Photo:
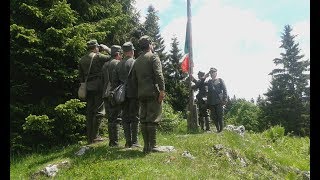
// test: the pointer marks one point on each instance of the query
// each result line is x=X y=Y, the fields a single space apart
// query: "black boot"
x=127 y=134
x=134 y=129
x=201 y=122
x=207 y=123
x=152 y=130
x=113 y=130
x=145 y=136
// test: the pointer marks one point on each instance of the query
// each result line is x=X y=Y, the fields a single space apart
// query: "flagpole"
x=193 y=116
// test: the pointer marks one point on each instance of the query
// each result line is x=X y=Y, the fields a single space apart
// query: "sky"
x=239 y=38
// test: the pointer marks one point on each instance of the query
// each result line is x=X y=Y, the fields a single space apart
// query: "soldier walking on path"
x=130 y=107
x=90 y=67
x=217 y=98
x=201 y=85
x=113 y=110
x=147 y=74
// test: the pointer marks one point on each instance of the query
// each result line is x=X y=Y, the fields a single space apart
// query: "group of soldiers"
x=212 y=97
x=144 y=94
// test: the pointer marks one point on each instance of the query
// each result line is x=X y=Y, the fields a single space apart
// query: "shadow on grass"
x=104 y=152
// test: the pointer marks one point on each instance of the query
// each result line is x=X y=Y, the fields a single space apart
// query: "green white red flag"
x=185 y=64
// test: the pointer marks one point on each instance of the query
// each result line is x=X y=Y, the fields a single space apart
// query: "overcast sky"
x=239 y=38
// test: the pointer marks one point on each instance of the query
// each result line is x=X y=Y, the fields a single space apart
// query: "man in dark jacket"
x=130 y=107
x=201 y=85
x=148 y=76
x=113 y=110
x=217 y=98
x=90 y=67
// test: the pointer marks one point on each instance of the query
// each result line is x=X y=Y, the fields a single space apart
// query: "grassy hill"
x=226 y=155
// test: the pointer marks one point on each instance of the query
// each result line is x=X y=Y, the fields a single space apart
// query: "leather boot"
x=113 y=130
x=152 y=131
x=134 y=129
x=145 y=136
x=127 y=134
x=207 y=123
x=201 y=122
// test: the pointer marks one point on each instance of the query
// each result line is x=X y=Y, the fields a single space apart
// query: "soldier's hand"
x=105 y=48
x=161 y=96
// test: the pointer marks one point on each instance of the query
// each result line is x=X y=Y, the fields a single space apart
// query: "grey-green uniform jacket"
x=216 y=87
x=120 y=75
x=95 y=70
x=147 y=72
x=107 y=72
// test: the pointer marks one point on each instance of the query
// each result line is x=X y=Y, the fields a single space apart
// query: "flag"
x=185 y=65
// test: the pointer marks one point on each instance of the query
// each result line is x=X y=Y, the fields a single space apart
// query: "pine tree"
x=177 y=89
x=287 y=98
x=152 y=29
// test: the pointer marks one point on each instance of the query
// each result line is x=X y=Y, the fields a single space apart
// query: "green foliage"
x=37 y=131
x=274 y=133
x=287 y=100
x=41 y=124
x=244 y=113
x=47 y=38
x=176 y=87
x=61 y=15
x=69 y=123
x=170 y=119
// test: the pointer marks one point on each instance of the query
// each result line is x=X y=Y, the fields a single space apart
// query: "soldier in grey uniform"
x=113 y=110
x=130 y=107
x=217 y=98
x=147 y=74
x=201 y=85
x=95 y=108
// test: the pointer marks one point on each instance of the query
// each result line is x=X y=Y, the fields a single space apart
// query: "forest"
x=47 y=39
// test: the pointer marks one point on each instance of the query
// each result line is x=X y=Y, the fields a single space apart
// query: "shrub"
x=274 y=133
x=170 y=119
x=69 y=123
x=38 y=130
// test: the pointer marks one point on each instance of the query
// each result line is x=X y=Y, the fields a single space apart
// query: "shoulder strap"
x=90 y=67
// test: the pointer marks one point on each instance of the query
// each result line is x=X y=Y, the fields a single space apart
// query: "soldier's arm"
x=159 y=79
x=157 y=69
x=105 y=77
x=224 y=90
x=115 y=77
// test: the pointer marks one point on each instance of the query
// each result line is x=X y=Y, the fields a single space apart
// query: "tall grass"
x=287 y=158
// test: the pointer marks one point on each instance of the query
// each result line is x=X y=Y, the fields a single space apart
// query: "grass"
x=285 y=158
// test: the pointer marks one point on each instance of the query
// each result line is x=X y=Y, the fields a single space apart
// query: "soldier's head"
x=128 y=49
x=145 y=43
x=213 y=72
x=116 y=52
x=200 y=74
x=92 y=45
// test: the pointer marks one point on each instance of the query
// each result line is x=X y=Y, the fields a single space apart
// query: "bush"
x=69 y=123
x=38 y=130
x=274 y=133
x=170 y=119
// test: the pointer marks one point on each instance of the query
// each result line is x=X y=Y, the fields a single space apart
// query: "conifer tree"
x=152 y=29
x=177 y=89
x=287 y=98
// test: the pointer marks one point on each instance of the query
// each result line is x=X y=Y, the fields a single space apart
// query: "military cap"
x=127 y=46
x=115 y=49
x=92 y=42
x=200 y=73
x=213 y=70
x=144 y=41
